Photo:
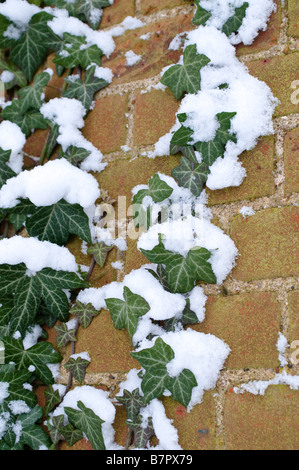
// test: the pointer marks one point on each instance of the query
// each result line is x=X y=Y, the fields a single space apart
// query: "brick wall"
x=261 y=296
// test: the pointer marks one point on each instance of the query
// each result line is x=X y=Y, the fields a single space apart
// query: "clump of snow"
x=36 y=254
x=117 y=265
x=19 y=12
x=68 y=114
x=259 y=387
x=257 y=16
x=247 y=211
x=103 y=73
x=129 y=23
x=45 y=185
x=4 y=386
x=32 y=336
x=98 y=401
x=197 y=302
x=82 y=355
x=132 y=58
x=282 y=345
x=202 y=354
x=12 y=138
x=18 y=407
x=7 y=76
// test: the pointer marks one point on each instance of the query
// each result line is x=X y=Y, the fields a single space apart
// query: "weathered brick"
x=265 y=39
x=152 y=6
x=268 y=244
x=279 y=73
x=259 y=182
x=291 y=152
x=293 y=302
x=154 y=51
x=109 y=349
x=293 y=9
x=117 y=12
x=105 y=125
x=249 y=324
x=269 y=422
x=155 y=114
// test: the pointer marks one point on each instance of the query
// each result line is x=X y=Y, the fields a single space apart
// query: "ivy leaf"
x=74 y=155
x=38 y=356
x=181 y=386
x=201 y=15
x=84 y=90
x=91 y=11
x=19 y=214
x=191 y=176
x=181 y=137
x=19 y=77
x=84 y=313
x=76 y=52
x=142 y=433
x=31 y=96
x=32 y=119
x=100 y=252
x=182 y=272
x=186 y=150
x=16 y=379
x=35 y=437
x=52 y=399
x=89 y=423
x=28 y=292
x=186 y=78
x=55 y=223
x=235 y=22
x=154 y=360
x=158 y=189
x=64 y=335
x=5 y=171
x=125 y=314
x=70 y=434
x=54 y=428
x=132 y=403
x=5 y=41
x=77 y=366
x=31 y=48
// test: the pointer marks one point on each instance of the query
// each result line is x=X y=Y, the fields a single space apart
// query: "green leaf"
x=26 y=302
x=19 y=214
x=186 y=78
x=52 y=399
x=38 y=356
x=142 y=433
x=55 y=427
x=64 y=335
x=182 y=272
x=6 y=310
x=32 y=119
x=31 y=48
x=77 y=366
x=191 y=176
x=35 y=437
x=74 y=155
x=89 y=423
x=19 y=78
x=5 y=171
x=181 y=137
x=201 y=15
x=181 y=386
x=100 y=252
x=84 y=313
x=88 y=11
x=126 y=314
x=70 y=434
x=5 y=41
x=158 y=189
x=235 y=22
x=84 y=91
x=55 y=223
x=31 y=96
x=132 y=403
x=76 y=52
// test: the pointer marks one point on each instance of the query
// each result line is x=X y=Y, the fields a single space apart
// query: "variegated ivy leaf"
x=132 y=403
x=181 y=386
x=126 y=314
x=5 y=171
x=28 y=292
x=158 y=190
x=31 y=96
x=64 y=335
x=186 y=77
x=19 y=77
x=5 y=41
x=84 y=90
x=89 y=11
x=37 y=356
x=182 y=272
x=100 y=252
x=142 y=432
x=74 y=155
x=16 y=379
x=89 y=423
x=84 y=313
x=188 y=318
x=71 y=434
x=52 y=399
x=201 y=15
x=54 y=426
x=18 y=214
x=77 y=366
x=191 y=176
x=235 y=22
x=27 y=121
x=55 y=223
x=31 y=48
x=76 y=51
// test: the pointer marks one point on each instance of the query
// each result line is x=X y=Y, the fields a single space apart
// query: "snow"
x=6 y=76
x=4 y=386
x=203 y=354
x=19 y=12
x=246 y=211
x=163 y=305
x=68 y=114
x=259 y=387
x=32 y=336
x=18 y=407
x=46 y=185
x=180 y=236
x=12 y=138
x=83 y=355
x=98 y=401
x=117 y=265
x=197 y=302
x=282 y=345
x=36 y=254
x=103 y=73
x=132 y=58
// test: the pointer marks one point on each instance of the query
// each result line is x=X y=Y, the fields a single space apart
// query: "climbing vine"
x=40 y=281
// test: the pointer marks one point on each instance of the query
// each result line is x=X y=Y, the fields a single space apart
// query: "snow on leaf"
x=201 y=15
x=31 y=96
x=89 y=423
x=27 y=121
x=191 y=176
x=76 y=51
x=235 y=22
